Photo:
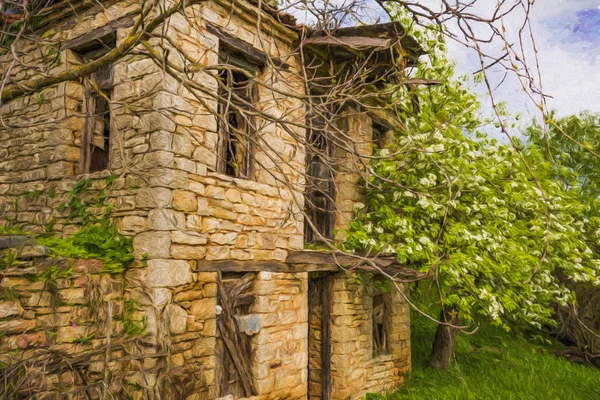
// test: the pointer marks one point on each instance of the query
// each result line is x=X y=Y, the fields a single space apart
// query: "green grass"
x=493 y=364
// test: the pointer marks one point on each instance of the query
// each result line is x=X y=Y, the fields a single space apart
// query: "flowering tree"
x=490 y=230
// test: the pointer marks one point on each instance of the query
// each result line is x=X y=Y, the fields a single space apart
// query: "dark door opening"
x=319 y=333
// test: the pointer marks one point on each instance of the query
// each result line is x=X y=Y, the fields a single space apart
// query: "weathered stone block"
x=217 y=252
x=180 y=251
x=171 y=178
x=10 y=309
x=193 y=223
x=154 y=244
x=165 y=273
x=224 y=238
x=17 y=325
x=134 y=223
x=73 y=296
x=184 y=201
x=203 y=309
x=191 y=238
x=60 y=170
x=197 y=187
x=70 y=334
x=215 y=192
x=177 y=318
x=210 y=225
x=156 y=197
x=164 y=219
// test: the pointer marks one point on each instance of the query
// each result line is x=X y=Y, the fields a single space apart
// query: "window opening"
x=236 y=122
x=97 y=92
x=379 y=132
x=320 y=191
x=380 y=339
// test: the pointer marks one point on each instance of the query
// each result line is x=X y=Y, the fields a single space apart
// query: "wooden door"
x=319 y=333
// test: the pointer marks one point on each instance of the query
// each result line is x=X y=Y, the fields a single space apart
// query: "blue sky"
x=568 y=36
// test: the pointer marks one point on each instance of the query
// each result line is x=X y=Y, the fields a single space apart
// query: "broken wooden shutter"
x=97 y=93
x=379 y=320
x=232 y=375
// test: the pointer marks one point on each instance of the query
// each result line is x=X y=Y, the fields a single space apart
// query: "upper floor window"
x=236 y=114
x=381 y=134
x=320 y=191
x=97 y=95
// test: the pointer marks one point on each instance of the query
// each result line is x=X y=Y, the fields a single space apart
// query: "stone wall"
x=355 y=370
x=58 y=317
x=279 y=350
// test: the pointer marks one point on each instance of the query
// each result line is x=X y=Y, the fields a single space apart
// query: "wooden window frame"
x=321 y=215
x=236 y=121
x=98 y=85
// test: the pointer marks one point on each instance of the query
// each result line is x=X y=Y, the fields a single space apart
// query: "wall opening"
x=236 y=117
x=234 y=326
x=319 y=333
x=97 y=97
x=379 y=323
x=320 y=191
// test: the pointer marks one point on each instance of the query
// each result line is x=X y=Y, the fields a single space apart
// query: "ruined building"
x=190 y=121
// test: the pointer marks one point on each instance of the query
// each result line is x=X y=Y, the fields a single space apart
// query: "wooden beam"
x=99 y=33
x=329 y=258
x=353 y=42
x=253 y=54
x=257 y=266
x=314 y=261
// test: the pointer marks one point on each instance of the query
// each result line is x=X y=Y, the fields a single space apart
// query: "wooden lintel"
x=99 y=33
x=253 y=54
x=257 y=266
x=314 y=261
x=330 y=258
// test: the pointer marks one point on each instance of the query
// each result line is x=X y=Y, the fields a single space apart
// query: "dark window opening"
x=379 y=132
x=236 y=121
x=96 y=135
x=380 y=337
x=100 y=147
x=320 y=191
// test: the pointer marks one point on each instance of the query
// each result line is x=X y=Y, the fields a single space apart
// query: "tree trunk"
x=443 y=345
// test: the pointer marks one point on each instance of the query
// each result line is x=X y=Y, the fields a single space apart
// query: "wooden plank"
x=353 y=42
x=257 y=266
x=96 y=34
x=330 y=258
x=244 y=300
x=253 y=54
x=326 y=335
x=314 y=261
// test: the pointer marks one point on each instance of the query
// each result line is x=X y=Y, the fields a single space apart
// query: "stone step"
x=14 y=241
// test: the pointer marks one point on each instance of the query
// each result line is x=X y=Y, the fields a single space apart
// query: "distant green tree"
x=570 y=148
x=572 y=144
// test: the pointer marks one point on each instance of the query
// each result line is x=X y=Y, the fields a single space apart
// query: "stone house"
x=218 y=220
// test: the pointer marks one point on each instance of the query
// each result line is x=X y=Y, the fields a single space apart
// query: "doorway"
x=319 y=334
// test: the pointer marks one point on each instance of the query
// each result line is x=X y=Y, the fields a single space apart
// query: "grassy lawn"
x=495 y=365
